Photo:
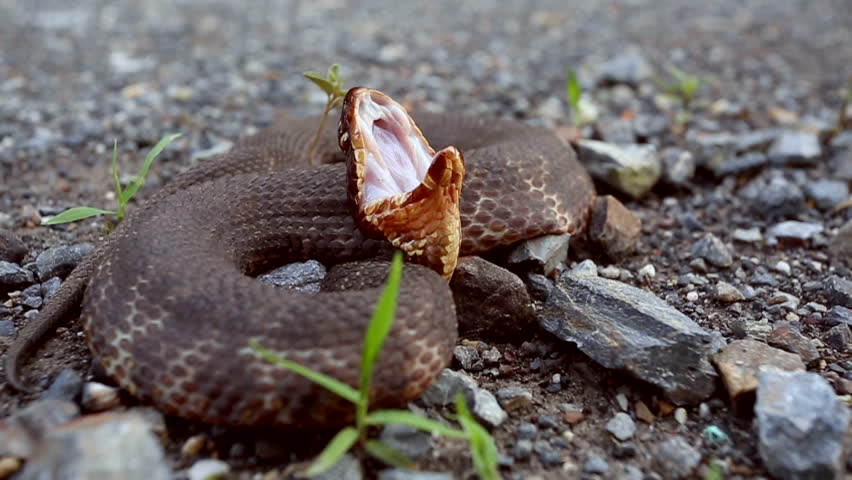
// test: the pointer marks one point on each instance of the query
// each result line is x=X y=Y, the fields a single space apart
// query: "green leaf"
x=573 y=90
x=115 y=169
x=377 y=330
x=321 y=82
x=386 y=454
x=137 y=182
x=404 y=417
x=336 y=448
x=482 y=447
x=714 y=471
x=331 y=384
x=334 y=74
x=77 y=213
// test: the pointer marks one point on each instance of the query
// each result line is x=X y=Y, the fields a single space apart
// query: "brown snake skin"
x=168 y=302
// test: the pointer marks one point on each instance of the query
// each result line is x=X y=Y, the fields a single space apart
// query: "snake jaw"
x=399 y=188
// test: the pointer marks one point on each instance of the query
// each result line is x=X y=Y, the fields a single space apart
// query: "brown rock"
x=665 y=407
x=573 y=417
x=614 y=227
x=644 y=413
x=491 y=301
x=790 y=339
x=739 y=363
x=12 y=249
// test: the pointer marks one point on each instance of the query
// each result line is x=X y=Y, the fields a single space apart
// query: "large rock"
x=623 y=327
x=491 y=301
x=740 y=362
x=801 y=426
x=632 y=169
x=104 y=446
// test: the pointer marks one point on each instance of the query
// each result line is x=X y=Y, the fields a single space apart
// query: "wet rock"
x=629 y=68
x=710 y=248
x=839 y=337
x=624 y=327
x=839 y=315
x=513 y=398
x=790 y=339
x=468 y=358
x=747 y=162
x=59 y=261
x=400 y=474
x=595 y=464
x=741 y=360
x=827 y=193
x=747 y=235
x=614 y=227
x=100 y=446
x=347 y=468
x=447 y=385
x=98 y=397
x=632 y=169
x=13 y=277
x=409 y=441
x=838 y=291
x=486 y=409
x=801 y=426
x=728 y=293
x=621 y=426
x=841 y=244
x=208 y=469
x=12 y=249
x=675 y=458
x=793 y=233
x=304 y=276
x=547 y=252
x=678 y=166
x=491 y=301
x=795 y=148
x=66 y=386
x=776 y=197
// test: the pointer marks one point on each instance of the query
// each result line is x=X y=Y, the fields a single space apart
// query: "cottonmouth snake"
x=169 y=305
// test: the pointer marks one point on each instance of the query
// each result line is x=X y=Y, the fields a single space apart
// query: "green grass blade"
x=404 y=417
x=386 y=454
x=137 y=182
x=77 y=213
x=118 y=193
x=336 y=448
x=377 y=330
x=331 y=384
x=482 y=447
x=573 y=90
x=321 y=82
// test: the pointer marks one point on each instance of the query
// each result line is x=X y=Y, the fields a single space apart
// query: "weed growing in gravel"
x=682 y=86
x=332 y=85
x=122 y=195
x=582 y=111
x=482 y=447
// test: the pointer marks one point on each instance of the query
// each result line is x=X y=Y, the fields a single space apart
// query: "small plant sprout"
x=583 y=112
x=482 y=446
x=682 y=86
x=332 y=85
x=122 y=195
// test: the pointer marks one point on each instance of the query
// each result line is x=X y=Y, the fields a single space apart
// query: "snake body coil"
x=169 y=305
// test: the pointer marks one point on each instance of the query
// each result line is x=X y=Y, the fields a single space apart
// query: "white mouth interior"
x=397 y=159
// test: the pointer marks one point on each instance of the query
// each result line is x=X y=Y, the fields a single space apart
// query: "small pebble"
x=621 y=426
x=680 y=415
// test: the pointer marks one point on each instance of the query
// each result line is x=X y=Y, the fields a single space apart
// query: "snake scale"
x=168 y=302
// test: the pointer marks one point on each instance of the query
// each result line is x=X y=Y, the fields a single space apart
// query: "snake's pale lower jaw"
x=399 y=188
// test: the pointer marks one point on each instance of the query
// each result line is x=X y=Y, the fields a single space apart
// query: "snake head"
x=400 y=189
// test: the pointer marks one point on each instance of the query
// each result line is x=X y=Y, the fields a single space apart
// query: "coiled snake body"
x=169 y=305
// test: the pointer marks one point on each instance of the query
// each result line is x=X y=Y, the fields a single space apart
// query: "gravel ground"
x=758 y=145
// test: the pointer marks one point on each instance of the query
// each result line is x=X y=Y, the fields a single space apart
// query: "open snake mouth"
x=399 y=188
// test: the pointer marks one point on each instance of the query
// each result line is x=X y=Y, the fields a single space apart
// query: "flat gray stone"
x=631 y=169
x=827 y=193
x=13 y=277
x=302 y=276
x=838 y=291
x=801 y=426
x=795 y=148
x=546 y=252
x=621 y=426
x=710 y=248
x=59 y=261
x=445 y=388
x=676 y=458
x=409 y=441
x=623 y=327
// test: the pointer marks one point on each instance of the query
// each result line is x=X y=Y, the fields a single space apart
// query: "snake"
x=169 y=302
